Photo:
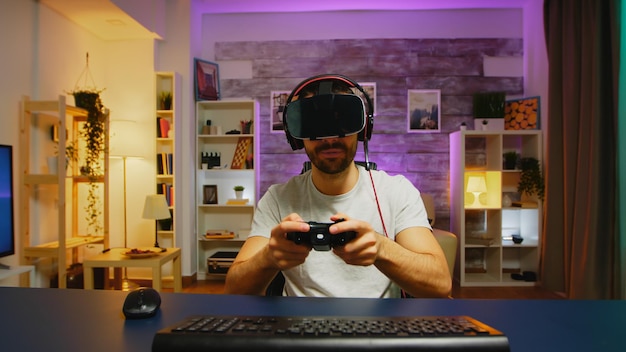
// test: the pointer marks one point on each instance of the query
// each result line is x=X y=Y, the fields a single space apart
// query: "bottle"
x=206 y=129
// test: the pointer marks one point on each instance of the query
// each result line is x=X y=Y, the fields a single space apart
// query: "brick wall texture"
x=453 y=66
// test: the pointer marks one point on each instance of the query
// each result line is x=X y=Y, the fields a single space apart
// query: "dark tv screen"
x=7 y=239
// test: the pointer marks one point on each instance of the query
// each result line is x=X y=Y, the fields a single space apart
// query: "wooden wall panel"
x=455 y=66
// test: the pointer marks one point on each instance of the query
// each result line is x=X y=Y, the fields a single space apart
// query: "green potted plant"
x=238 y=191
x=165 y=100
x=531 y=179
x=93 y=134
x=510 y=160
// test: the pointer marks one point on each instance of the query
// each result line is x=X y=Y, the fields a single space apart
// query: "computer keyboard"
x=290 y=333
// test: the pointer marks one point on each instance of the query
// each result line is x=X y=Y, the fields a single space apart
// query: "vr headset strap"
x=326 y=87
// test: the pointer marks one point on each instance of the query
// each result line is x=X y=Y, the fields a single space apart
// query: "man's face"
x=332 y=155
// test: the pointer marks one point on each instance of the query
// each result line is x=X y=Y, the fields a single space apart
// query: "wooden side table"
x=116 y=259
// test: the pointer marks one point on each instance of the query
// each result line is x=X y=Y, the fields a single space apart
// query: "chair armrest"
x=448 y=242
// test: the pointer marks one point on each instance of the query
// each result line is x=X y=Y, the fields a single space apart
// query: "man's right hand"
x=285 y=253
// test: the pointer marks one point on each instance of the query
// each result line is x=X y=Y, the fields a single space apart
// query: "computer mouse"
x=141 y=303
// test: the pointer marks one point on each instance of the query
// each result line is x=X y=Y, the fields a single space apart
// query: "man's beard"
x=333 y=166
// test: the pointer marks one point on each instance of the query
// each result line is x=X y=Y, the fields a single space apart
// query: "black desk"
x=39 y=319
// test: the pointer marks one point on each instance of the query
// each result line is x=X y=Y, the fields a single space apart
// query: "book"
x=234 y=201
x=164 y=163
x=159 y=164
x=525 y=204
x=218 y=234
x=164 y=127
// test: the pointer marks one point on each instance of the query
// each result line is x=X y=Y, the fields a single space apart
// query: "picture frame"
x=278 y=100
x=522 y=114
x=370 y=89
x=206 y=79
x=209 y=194
x=54 y=133
x=475 y=222
x=423 y=110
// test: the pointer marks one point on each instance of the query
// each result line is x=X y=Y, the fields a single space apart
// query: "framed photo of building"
x=423 y=110
x=207 y=80
x=209 y=194
x=278 y=100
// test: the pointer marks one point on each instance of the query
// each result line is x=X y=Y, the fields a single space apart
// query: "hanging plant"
x=93 y=131
x=531 y=179
x=93 y=134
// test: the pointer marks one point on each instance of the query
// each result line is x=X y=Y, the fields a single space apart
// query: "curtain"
x=581 y=239
x=621 y=152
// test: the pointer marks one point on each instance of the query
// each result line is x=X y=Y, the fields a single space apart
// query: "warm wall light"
x=123 y=145
x=156 y=209
x=476 y=185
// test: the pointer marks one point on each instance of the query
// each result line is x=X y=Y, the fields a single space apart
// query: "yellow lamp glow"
x=476 y=185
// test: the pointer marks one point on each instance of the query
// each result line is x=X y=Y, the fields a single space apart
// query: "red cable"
x=380 y=213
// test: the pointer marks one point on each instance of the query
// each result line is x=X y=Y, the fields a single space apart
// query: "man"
x=393 y=240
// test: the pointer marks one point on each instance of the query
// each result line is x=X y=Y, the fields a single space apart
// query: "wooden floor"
x=217 y=287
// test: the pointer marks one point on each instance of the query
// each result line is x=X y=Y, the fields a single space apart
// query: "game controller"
x=320 y=238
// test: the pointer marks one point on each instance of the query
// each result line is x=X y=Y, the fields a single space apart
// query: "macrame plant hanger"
x=86 y=77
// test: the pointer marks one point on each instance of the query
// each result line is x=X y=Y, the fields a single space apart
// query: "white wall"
x=16 y=17
x=487 y=23
x=43 y=57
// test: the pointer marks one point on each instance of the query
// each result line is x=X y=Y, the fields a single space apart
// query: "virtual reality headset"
x=325 y=116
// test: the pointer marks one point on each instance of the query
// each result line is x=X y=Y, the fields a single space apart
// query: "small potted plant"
x=165 y=101
x=238 y=191
x=510 y=160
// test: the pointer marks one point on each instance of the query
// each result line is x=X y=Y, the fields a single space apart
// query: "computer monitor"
x=7 y=232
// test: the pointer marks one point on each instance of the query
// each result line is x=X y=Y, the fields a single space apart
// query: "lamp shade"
x=156 y=207
x=125 y=140
x=476 y=184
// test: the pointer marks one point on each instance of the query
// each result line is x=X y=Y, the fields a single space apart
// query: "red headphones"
x=365 y=134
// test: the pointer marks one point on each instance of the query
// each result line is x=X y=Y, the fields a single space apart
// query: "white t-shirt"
x=323 y=274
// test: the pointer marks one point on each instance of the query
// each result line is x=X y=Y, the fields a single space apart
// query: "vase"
x=506 y=201
x=239 y=194
x=52 y=165
x=246 y=127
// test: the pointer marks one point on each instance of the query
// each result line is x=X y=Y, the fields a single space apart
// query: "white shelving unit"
x=167 y=153
x=487 y=255
x=217 y=210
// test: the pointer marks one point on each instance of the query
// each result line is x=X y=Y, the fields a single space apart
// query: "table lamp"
x=156 y=208
x=476 y=185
